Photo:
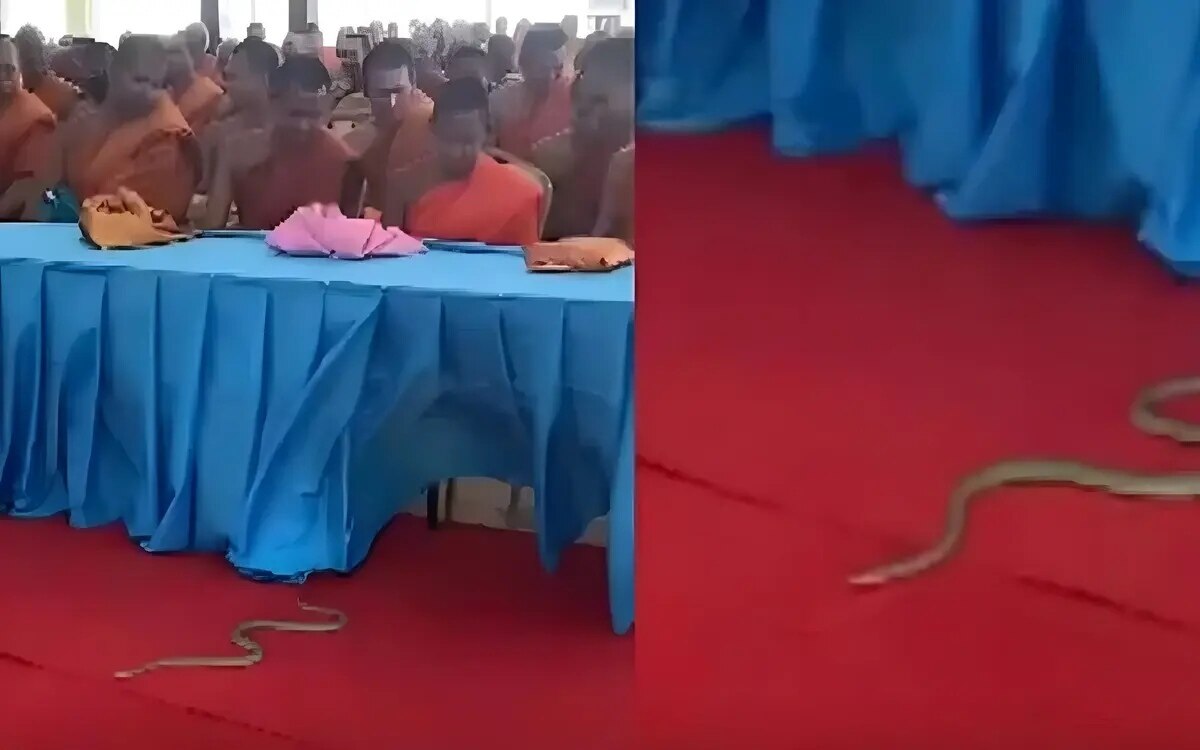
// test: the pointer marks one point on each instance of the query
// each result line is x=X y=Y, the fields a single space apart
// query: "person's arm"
x=353 y=187
x=169 y=172
x=52 y=171
x=522 y=229
x=496 y=104
x=237 y=154
x=208 y=154
x=545 y=185
x=616 y=202
x=31 y=155
x=405 y=187
x=220 y=192
x=397 y=198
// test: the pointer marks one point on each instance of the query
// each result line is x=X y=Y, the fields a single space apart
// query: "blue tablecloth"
x=213 y=395
x=1004 y=107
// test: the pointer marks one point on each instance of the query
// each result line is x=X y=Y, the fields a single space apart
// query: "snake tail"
x=1028 y=472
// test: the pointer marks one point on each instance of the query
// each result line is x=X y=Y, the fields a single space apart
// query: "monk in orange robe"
x=540 y=105
x=26 y=137
x=294 y=162
x=198 y=97
x=400 y=132
x=247 y=78
x=136 y=139
x=590 y=164
x=461 y=193
x=56 y=93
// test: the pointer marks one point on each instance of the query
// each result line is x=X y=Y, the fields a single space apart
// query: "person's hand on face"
x=388 y=91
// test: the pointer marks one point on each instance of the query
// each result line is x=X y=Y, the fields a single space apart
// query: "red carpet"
x=821 y=356
x=456 y=639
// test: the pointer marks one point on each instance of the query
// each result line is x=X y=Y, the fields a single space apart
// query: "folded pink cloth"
x=318 y=230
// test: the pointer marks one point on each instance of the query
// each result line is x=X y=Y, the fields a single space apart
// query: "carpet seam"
x=1078 y=594
x=8 y=656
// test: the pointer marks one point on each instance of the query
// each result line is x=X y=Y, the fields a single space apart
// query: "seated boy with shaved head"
x=136 y=138
x=462 y=193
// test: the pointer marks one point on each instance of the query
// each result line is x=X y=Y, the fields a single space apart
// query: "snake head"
x=868 y=579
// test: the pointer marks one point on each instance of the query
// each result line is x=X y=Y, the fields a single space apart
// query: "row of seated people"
x=548 y=157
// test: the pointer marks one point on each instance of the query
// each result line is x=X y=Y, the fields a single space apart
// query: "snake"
x=241 y=639
x=1128 y=485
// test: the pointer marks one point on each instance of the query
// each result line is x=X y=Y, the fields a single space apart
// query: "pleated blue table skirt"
x=215 y=396
x=1003 y=107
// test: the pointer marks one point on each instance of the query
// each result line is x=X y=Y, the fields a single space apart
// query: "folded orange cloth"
x=578 y=254
x=125 y=220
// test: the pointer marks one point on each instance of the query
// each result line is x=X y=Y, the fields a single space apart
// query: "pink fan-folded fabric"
x=322 y=231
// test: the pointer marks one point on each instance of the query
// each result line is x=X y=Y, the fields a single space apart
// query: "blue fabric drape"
x=1003 y=107
x=215 y=396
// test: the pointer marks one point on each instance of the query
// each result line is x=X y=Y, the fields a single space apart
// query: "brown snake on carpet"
x=1178 y=487
x=254 y=652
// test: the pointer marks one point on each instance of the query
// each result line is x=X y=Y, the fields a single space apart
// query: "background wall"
x=106 y=20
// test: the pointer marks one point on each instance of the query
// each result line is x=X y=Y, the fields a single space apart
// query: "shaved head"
x=137 y=75
x=140 y=49
x=196 y=38
x=32 y=49
x=181 y=66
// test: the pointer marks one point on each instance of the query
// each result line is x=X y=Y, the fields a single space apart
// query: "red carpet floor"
x=821 y=355
x=456 y=640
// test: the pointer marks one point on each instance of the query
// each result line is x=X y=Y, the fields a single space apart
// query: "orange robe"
x=156 y=156
x=200 y=102
x=26 y=138
x=395 y=150
x=60 y=96
x=497 y=204
x=519 y=126
x=269 y=192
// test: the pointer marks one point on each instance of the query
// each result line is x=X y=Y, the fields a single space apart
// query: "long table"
x=213 y=395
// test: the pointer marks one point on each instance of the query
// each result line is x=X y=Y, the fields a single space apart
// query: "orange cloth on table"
x=155 y=156
x=518 y=126
x=200 y=102
x=60 y=96
x=269 y=192
x=578 y=254
x=26 y=137
x=497 y=204
x=395 y=150
x=125 y=220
